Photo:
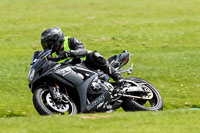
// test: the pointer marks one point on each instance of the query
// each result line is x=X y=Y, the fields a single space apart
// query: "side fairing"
x=68 y=74
x=80 y=84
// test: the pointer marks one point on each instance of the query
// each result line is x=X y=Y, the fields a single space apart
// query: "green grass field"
x=162 y=35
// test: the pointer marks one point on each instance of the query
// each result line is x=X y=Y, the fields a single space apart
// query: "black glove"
x=61 y=56
x=50 y=57
x=64 y=55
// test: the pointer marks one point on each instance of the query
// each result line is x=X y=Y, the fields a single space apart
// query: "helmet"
x=52 y=38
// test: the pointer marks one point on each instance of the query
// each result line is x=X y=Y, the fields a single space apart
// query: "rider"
x=63 y=48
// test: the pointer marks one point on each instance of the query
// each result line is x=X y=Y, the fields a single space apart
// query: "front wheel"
x=134 y=104
x=45 y=105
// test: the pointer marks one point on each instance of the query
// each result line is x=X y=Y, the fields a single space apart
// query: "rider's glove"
x=64 y=55
x=50 y=57
x=61 y=56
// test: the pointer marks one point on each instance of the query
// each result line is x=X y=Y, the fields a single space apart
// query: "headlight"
x=31 y=75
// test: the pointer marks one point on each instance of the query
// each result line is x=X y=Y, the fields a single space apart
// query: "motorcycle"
x=67 y=88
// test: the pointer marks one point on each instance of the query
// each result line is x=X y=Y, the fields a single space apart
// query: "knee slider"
x=96 y=60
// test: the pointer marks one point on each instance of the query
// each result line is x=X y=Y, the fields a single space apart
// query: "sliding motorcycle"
x=67 y=88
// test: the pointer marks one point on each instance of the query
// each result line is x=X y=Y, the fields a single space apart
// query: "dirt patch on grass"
x=95 y=116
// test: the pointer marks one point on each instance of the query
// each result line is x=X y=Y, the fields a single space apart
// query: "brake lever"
x=128 y=71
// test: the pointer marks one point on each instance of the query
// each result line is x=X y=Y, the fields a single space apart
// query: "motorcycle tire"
x=45 y=107
x=154 y=104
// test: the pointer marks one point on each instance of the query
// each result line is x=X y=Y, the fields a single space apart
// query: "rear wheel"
x=45 y=105
x=134 y=104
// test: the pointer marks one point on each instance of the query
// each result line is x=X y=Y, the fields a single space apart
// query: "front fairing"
x=37 y=64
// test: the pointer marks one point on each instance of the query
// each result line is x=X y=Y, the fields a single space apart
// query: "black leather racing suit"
x=93 y=59
x=77 y=50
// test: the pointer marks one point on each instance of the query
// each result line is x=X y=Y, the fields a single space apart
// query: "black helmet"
x=52 y=38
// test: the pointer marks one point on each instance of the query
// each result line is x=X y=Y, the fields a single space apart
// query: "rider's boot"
x=116 y=76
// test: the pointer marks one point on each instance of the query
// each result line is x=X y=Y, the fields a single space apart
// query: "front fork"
x=55 y=94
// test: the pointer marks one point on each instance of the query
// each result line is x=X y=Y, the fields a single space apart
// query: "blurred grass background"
x=162 y=35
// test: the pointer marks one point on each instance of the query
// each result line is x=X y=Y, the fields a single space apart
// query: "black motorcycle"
x=67 y=88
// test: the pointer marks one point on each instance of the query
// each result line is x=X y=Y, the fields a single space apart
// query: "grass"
x=163 y=37
x=151 y=122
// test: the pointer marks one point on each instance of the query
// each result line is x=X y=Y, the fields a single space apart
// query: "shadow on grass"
x=13 y=115
x=195 y=106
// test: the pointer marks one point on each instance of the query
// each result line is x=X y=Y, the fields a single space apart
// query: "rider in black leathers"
x=65 y=47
